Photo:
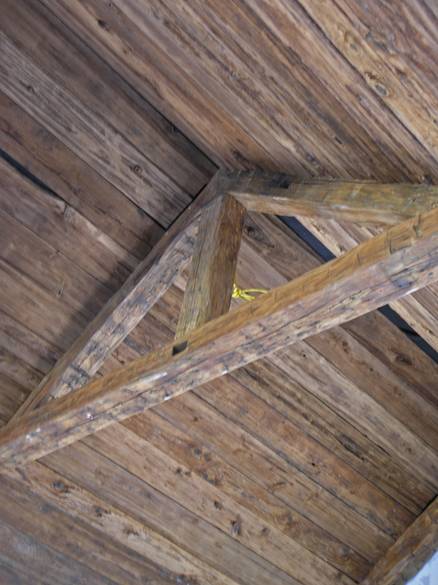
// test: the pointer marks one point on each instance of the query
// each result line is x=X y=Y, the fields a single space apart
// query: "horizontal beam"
x=409 y=553
x=364 y=202
x=393 y=264
x=149 y=281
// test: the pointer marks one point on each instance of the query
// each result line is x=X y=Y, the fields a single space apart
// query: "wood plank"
x=393 y=264
x=234 y=487
x=172 y=478
x=129 y=532
x=55 y=48
x=213 y=418
x=406 y=556
x=360 y=202
x=129 y=493
x=23 y=553
x=380 y=58
x=90 y=137
x=41 y=520
x=213 y=266
x=313 y=51
x=126 y=308
x=79 y=185
x=48 y=267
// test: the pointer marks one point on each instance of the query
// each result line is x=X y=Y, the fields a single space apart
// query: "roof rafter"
x=389 y=266
x=151 y=279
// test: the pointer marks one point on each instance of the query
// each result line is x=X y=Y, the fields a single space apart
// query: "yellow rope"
x=247 y=294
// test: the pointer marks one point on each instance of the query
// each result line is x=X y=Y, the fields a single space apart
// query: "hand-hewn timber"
x=361 y=202
x=126 y=308
x=214 y=261
x=406 y=556
x=390 y=265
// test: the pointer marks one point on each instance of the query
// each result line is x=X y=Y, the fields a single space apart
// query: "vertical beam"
x=149 y=281
x=387 y=267
x=214 y=261
x=409 y=553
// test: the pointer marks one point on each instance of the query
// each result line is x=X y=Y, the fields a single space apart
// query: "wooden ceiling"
x=299 y=469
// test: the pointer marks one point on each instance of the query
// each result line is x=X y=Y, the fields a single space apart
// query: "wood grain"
x=118 y=161
x=390 y=265
x=416 y=309
x=355 y=201
x=406 y=557
x=125 y=309
x=213 y=266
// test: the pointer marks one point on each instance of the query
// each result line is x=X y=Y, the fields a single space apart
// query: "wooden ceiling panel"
x=302 y=468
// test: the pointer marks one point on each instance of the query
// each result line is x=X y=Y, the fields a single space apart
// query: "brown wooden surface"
x=213 y=265
x=407 y=556
x=364 y=536
x=152 y=277
x=286 y=445
x=418 y=310
x=402 y=259
x=260 y=92
x=358 y=202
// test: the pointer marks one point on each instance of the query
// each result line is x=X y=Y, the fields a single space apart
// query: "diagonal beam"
x=409 y=553
x=415 y=309
x=210 y=284
x=393 y=264
x=127 y=307
x=363 y=202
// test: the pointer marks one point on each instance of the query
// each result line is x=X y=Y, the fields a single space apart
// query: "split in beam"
x=389 y=266
x=409 y=553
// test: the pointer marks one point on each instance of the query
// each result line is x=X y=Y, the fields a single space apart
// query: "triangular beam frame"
x=212 y=342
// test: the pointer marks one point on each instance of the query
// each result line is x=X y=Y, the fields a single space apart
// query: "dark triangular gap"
x=326 y=255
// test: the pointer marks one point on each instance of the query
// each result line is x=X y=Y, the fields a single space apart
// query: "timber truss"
x=210 y=340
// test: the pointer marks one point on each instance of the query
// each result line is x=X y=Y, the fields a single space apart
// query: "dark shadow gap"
x=26 y=173
x=326 y=255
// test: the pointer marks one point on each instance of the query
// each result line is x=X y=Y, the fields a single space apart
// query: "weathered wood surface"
x=225 y=58
x=258 y=91
x=402 y=259
x=406 y=557
x=355 y=201
x=42 y=39
x=332 y=510
x=42 y=520
x=213 y=265
x=419 y=310
x=83 y=189
x=255 y=84
x=23 y=554
x=42 y=492
x=126 y=308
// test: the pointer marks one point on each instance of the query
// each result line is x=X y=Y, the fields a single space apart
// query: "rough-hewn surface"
x=219 y=485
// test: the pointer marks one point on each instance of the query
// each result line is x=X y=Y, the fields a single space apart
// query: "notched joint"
x=179 y=347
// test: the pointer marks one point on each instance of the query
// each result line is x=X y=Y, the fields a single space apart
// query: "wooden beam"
x=409 y=553
x=214 y=261
x=127 y=307
x=393 y=264
x=363 y=202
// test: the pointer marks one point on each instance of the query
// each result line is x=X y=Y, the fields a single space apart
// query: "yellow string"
x=247 y=294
